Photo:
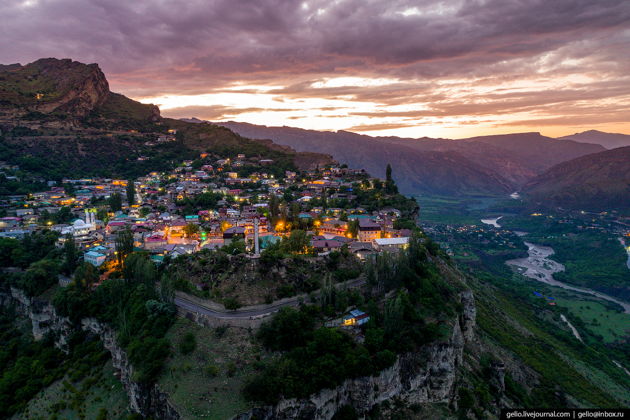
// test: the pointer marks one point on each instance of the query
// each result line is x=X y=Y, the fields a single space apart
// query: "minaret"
x=256 y=244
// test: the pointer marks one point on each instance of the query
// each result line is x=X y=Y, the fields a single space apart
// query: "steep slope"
x=608 y=140
x=534 y=150
x=517 y=157
x=600 y=181
x=49 y=85
x=489 y=164
x=416 y=171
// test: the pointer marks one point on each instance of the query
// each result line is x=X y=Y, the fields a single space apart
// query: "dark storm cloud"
x=222 y=37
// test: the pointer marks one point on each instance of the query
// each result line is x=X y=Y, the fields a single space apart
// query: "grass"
x=81 y=400
x=601 y=379
x=601 y=319
x=207 y=382
x=551 y=351
x=448 y=210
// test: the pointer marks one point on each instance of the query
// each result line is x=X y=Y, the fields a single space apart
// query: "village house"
x=334 y=227
x=94 y=257
x=368 y=230
x=355 y=318
x=391 y=244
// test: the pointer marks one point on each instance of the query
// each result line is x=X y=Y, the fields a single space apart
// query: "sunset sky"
x=387 y=67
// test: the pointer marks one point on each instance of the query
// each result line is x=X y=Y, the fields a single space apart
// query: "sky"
x=452 y=69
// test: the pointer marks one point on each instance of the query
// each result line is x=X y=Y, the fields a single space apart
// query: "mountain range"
x=608 y=140
x=600 y=181
x=489 y=164
x=59 y=116
x=530 y=163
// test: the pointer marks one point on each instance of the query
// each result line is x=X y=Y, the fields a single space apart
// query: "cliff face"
x=50 y=85
x=149 y=401
x=428 y=376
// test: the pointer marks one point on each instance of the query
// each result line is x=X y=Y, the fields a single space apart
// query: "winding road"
x=249 y=312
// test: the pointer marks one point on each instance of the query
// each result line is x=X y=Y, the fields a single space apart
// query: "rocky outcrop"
x=44 y=318
x=147 y=400
x=50 y=85
x=427 y=376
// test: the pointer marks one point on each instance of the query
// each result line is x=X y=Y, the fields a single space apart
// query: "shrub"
x=220 y=331
x=211 y=370
x=188 y=343
x=231 y=304
x=231 y=369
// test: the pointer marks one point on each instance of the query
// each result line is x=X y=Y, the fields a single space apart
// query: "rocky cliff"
x=50 y=85
x=53 y=93
x=427 y=376
x=147 y=400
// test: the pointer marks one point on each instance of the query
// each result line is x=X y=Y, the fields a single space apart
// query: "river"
x=538 y=266
x=492 y=222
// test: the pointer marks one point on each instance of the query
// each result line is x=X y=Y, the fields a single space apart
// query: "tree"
x=295 y=212
x=191 y=229
x=139 y=268
x=353 y=228
x=131 y=192
x=70 y=255
x=85 y=276
x=124 y=245
x=69 y=189
x=297 y=243
x=274 y=207
x=39 y=277
x=167 y=289
x=234 y=248
x=188 y=343
x=101 y=214
x=231 y=303
x=64 y=215
x=390 y=185
x=115 y=202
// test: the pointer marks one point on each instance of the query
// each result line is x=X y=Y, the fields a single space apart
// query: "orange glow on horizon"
x=474 y=107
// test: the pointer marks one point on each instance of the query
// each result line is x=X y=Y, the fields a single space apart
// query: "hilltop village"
x=210 y=203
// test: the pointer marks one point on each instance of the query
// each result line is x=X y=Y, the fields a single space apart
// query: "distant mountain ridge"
x=479 y=165
x=599 y=182
x=608 y=140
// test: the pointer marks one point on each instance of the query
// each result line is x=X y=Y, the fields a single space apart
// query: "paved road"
x=250 y=313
